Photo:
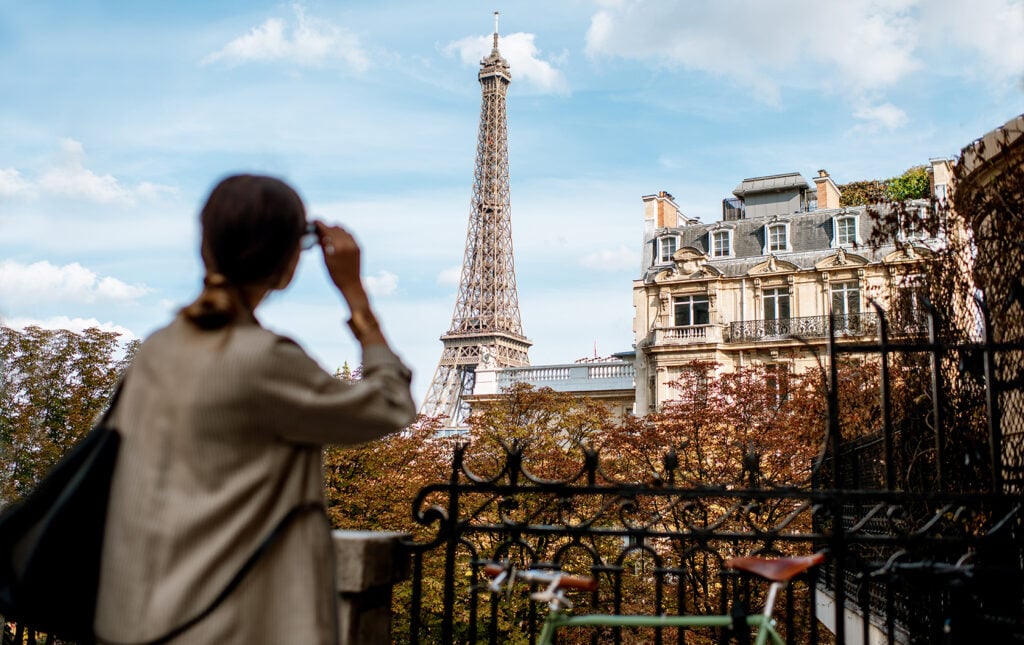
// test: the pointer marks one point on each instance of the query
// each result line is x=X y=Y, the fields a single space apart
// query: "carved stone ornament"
x=665 y=274
x=907 y=252
x=773 y=265
x=689 y=260
x=841 y=258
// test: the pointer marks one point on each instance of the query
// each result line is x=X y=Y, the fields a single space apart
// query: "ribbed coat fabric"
x=222 y=435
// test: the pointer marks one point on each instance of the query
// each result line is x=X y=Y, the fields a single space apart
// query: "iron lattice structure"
x=486 y=326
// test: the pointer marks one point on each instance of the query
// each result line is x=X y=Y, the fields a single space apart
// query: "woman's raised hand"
x=341 y=257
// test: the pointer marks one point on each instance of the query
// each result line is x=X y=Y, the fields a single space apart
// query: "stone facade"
x=759 y=286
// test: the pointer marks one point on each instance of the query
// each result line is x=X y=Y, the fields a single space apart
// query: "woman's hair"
x=251 y=229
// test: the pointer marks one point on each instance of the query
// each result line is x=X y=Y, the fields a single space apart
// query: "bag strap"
x=268 y=541
x=111 y=404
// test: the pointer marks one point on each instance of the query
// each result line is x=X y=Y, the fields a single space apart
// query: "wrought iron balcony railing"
x=864 y=324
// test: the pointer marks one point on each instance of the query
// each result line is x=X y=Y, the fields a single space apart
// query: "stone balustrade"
x=688 y=335
x=573 y=377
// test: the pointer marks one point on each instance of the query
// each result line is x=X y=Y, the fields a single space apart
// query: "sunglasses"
x=309 y=237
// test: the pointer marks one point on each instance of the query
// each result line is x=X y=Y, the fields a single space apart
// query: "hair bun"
x=216 y=306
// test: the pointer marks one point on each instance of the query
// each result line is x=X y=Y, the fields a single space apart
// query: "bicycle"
x=778 y=571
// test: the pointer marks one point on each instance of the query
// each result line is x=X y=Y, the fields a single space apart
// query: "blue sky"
x=117 y=117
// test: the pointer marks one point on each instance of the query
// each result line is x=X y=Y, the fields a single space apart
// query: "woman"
x=222 y=424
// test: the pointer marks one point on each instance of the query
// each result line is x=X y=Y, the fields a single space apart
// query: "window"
x=908 y=313
x=845 y=299
x=846 y=231
x=777 y=237
x=691 y=310
x=666 y=248
x=912 y=225
x=721 y=246
x=776 y=304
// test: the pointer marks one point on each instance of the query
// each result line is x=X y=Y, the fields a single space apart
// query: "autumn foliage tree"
x=755 y=426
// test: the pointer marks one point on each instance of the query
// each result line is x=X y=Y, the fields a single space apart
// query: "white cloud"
x=522 y=54
x=149 y=190
x=308 y=42
x=450 y=276
x=885 y=115
x=857 y=48
x=991 y=30
x=71 y=324
x=384 y=283
x=69 y=177
x=72 y=179
x=622 y=258
x=45 y=282
x=12 y=183
x=865 y=44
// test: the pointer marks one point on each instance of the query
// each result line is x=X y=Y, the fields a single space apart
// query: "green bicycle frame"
x=557 y=619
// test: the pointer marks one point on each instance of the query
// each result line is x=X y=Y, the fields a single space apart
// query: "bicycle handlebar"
x=562 y=580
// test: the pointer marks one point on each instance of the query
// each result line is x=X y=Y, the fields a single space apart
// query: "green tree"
x=53 y=385
x=913 y=184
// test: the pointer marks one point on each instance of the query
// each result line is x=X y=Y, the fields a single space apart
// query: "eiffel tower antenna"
x=486 y=326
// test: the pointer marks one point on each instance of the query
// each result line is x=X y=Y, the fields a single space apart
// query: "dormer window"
x=667 y=248
x=776 y=237
x=845 y=231
x=911 y=225
x=721 y=244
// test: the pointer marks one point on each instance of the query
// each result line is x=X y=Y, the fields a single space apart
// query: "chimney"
x=661 y=210
x=828 y=192
x=940 y=177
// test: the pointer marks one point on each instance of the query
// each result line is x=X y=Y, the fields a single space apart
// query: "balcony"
x=690 y=335
x=846 y=326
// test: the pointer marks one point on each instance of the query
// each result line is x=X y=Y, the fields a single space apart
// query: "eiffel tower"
x=486 y=326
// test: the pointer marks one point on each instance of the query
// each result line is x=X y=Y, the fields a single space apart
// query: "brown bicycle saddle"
x=775 y=569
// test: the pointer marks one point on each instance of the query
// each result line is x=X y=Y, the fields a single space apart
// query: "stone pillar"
x=369 y=563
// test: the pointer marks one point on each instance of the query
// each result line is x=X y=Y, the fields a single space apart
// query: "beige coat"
x=222 y=434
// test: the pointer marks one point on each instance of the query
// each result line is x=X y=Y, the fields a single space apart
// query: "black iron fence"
x=921 y=521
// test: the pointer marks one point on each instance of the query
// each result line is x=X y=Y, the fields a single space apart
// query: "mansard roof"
x=807 y=232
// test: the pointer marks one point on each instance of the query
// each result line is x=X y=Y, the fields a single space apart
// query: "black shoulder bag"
x=52 y=540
